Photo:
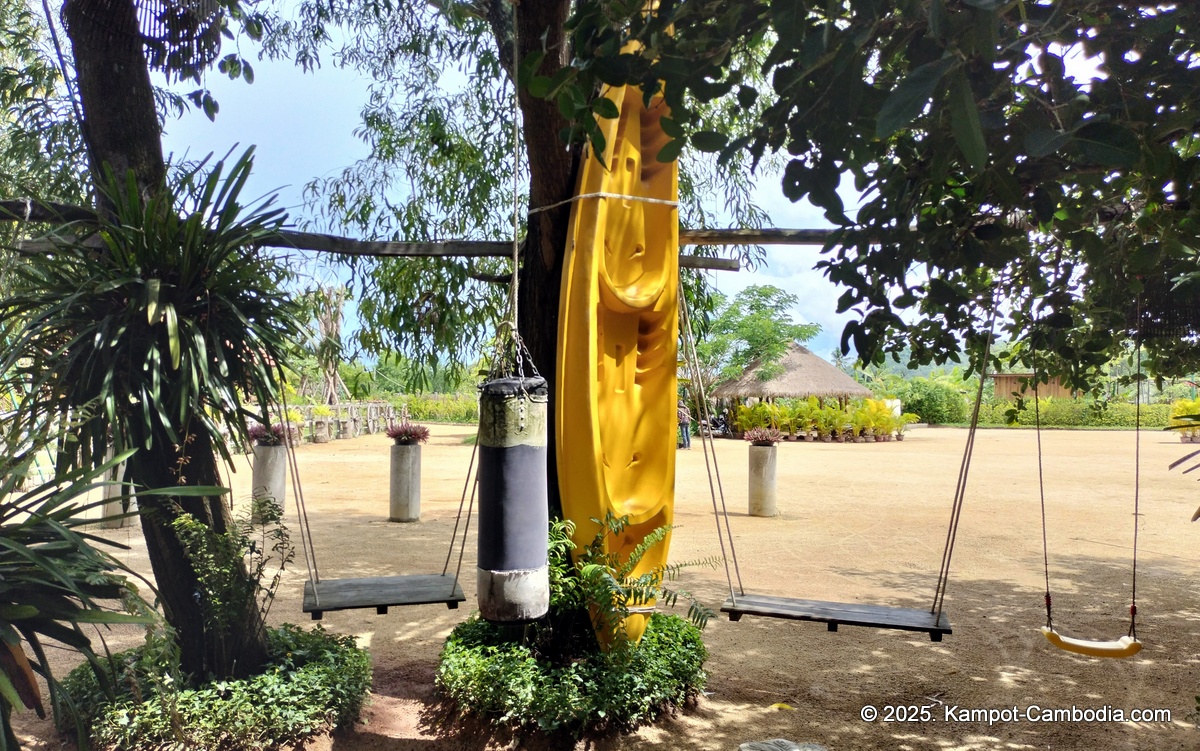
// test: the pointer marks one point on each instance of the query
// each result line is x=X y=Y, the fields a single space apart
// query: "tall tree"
x=439 y=123
x=756 y=324
x=114 y=43
x=994 y=173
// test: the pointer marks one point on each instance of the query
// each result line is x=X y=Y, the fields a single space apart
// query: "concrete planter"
x=270 y=475
x=320 y=430
x=406 y=484
x=762 y=481
x=113 y=505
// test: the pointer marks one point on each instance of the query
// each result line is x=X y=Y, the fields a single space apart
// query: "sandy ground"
x=858 y=523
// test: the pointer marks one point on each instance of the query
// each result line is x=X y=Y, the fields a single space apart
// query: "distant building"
x=1009 y=383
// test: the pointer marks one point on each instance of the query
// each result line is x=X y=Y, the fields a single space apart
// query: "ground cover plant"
x=313 y=682
x=554 y=674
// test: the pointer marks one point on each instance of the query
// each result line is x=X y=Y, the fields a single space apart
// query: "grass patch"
x=313 y=682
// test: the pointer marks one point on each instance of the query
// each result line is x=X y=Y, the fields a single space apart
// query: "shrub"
x=313 y=682
x=451 y=408
x=503 y=680
x=933 y=402
x=1075 y=413
x=556 y=676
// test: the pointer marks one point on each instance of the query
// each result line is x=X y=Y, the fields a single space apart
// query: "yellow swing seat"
x=1126 y=646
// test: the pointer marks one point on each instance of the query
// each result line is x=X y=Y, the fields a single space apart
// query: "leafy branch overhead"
x=1042 y=152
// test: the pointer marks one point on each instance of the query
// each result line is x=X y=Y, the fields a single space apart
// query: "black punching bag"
x=514 y=575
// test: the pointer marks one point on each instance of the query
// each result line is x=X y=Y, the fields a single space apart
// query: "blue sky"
x=302 y=125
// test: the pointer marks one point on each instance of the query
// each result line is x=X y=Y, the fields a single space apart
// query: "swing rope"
x=960 y=491
x=1103 y=650
x=306 y=541
x=1037 y=423
x=1137 y=467
x=706 y=442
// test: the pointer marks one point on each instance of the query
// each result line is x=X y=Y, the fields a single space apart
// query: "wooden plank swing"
x=933 y=621
x=378 y=592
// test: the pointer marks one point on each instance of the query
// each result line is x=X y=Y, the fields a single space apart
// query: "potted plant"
x=405 y=497
x=269 y=475
x=762 y=470
x=321 y=419
x=902 y=422
x=1183 y=412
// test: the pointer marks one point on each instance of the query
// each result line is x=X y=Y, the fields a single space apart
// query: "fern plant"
x=611 y=588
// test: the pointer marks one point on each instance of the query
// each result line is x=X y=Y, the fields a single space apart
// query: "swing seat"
x=1126 y=646
x=835 y=614
x=381 y=592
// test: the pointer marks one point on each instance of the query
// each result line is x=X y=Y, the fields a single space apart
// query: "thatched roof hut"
x=803 y=375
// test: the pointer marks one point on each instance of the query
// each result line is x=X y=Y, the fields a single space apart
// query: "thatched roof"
x=804 y=374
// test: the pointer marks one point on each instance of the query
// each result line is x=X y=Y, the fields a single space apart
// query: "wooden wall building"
x=1008 y=383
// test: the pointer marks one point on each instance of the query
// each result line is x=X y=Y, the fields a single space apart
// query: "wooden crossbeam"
x=35 y=211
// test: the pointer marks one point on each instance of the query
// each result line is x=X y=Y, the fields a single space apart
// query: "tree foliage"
x=41 y=152
x=992 y=173
x=756 y=324
x=442 y=162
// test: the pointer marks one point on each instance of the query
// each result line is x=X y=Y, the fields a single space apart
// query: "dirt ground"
x=858 y=523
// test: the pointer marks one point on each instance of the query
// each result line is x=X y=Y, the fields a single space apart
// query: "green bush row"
x=314 y=681
x=1072 y=413
x=453 y=408
x=493 y=677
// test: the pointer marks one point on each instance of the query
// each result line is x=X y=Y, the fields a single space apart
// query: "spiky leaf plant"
x=53 y=580
x=167 y=314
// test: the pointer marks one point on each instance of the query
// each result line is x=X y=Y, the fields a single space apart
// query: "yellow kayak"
x=618 y=328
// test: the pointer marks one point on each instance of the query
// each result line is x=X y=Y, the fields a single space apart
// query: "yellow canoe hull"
x=617 y=339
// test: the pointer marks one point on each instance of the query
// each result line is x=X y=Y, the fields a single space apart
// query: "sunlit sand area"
x=858 y=523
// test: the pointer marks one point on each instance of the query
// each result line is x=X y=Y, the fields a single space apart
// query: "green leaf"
x=153 y=289
x=910 y=96
x=539 y=86
x=709 y=140
x=938 y=18
x=529 y=66
x=790 y=19
x=670 y=150
x=964 y=121
x=173 y=335
x=109 y=617
x=9 y=692
x=1107 y=144
x=605 y=107
x=1040 y=143
x=671 y=127
x=795 y=180
x=11 y=612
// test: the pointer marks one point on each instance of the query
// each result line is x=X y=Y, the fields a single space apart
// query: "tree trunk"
x=552 y=170
x=121 y=129
x=204 y=648
x=120 y=124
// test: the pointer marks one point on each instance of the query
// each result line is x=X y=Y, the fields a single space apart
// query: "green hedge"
x=314 y=682
x=933 y=402
x=1072 y=413
x=502 y=680
x=454 y=408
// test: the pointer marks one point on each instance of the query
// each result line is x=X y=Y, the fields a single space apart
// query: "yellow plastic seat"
x=1126 y=646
